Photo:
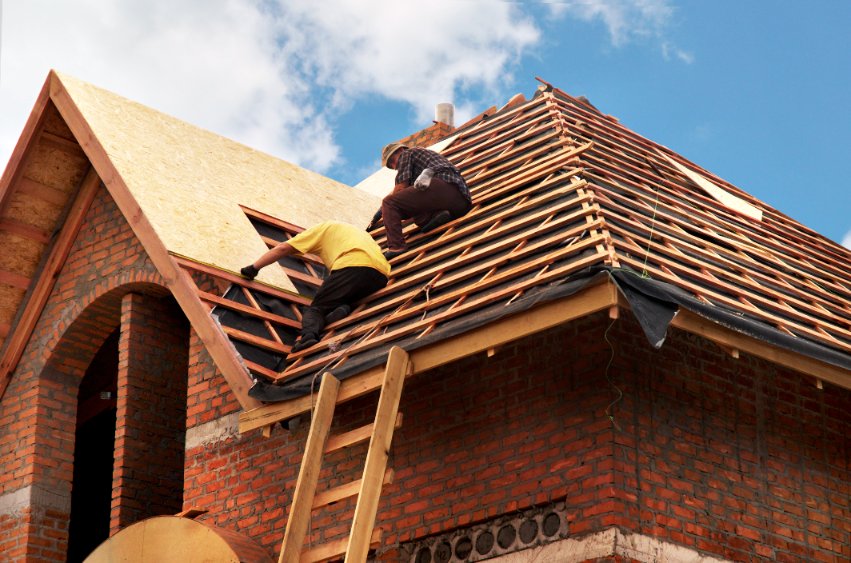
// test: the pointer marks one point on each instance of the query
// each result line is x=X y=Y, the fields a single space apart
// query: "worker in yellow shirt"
x=357 y=269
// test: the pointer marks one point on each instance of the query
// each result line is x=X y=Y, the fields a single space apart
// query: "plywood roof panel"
x=190 y=183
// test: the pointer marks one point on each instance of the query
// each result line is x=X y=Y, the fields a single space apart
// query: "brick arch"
x=79 y=324
x=80 y=330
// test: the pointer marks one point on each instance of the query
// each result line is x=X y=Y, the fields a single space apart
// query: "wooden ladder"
x=368 y=488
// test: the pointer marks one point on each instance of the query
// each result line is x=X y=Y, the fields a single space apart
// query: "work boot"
x=337 y=314
x=306 y=340
x=390 y=254
x=439 y=218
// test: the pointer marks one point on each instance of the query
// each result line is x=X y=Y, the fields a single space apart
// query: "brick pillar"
x=151 y=418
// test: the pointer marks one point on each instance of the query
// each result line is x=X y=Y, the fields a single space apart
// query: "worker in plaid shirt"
x=428 y=189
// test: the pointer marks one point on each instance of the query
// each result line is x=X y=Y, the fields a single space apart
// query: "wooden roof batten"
x=649 y=229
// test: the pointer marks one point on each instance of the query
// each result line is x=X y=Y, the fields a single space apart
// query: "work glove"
x=249 y=271
x=375 y=219
x=423 y=181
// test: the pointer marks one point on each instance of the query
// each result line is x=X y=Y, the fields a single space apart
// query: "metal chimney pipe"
x=445 y=113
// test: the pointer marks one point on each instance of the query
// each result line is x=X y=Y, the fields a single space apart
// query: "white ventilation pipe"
x=445 y=113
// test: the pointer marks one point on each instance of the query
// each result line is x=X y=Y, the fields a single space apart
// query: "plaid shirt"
x=413 y=161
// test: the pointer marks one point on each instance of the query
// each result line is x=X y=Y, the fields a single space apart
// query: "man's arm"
x=272 y=255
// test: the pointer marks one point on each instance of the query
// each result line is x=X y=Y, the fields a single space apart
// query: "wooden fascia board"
x=46 y=278
x=29 y=135
x=731 y=340
x=591 y=300
x=176 y=279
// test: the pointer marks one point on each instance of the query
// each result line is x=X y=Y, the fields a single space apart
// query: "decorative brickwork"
x=38 y=410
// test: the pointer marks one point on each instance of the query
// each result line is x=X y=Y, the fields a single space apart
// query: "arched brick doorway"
x=122 y=364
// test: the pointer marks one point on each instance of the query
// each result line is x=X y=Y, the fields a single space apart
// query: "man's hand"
x=249 y=271
x=375 y=219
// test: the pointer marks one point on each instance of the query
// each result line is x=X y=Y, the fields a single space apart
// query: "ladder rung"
x=334 y=549
x=355 y=436
x=347 y=490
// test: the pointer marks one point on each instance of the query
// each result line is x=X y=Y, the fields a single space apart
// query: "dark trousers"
x=421 y=206
x=342 y=287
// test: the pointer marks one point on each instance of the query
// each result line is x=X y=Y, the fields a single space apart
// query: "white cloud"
x=278 y=74
x=626 y=20
x=846 y=240
x=274 y=74
x=670 y=51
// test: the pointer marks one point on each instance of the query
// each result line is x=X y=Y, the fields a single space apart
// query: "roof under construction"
x=566 y=199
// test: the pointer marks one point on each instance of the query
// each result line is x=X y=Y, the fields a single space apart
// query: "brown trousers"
x=420 y=206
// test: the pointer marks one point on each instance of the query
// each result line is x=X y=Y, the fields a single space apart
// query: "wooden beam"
x=503 y=331
x=308 y=474
x=176 y=279
x=727 y=339
x=68 y=145
x=23 y=230
x=398 y=363
x=14 y=169
x=347 y=490
x=334 y=549
x=47 y=277
x=15 y=280
x=251 y=311
x=40 y=191
x=355 y=436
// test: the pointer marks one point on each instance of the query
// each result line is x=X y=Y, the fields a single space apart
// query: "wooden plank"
x=484 y=299
x=47 y=277
x=68 y=145
x=15 y=280
x=398 y=363
x=347 y=490
x=176 y=279
x=308 y=474
x=24 y=230
x=727 y=338
x=335 y=549
x=795 y=318
x=720 y=278
x=353 y=437
x=14 y=170
x=258 y=341
x=241 y=281
x=443 y=251
x=258 y=313
x=495 y=334
x=38 y=190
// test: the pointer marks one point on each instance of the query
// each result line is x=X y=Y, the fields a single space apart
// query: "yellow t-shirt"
x=340 y=245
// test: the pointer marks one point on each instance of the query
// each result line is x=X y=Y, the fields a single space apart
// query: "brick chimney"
x=444 y=125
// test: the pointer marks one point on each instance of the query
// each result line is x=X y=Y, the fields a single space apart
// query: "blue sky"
x=758 y=92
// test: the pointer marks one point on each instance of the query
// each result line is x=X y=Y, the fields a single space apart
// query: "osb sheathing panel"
x=32 y=211
x=10 y=297
x=190 y=182
x=55 y=166
x=20 y=255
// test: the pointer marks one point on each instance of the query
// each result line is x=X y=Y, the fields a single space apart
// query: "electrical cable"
x=609 y=379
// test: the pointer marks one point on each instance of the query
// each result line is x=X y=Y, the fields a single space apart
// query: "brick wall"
x=150 y=434
x=38 y=410
x=735 y=458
